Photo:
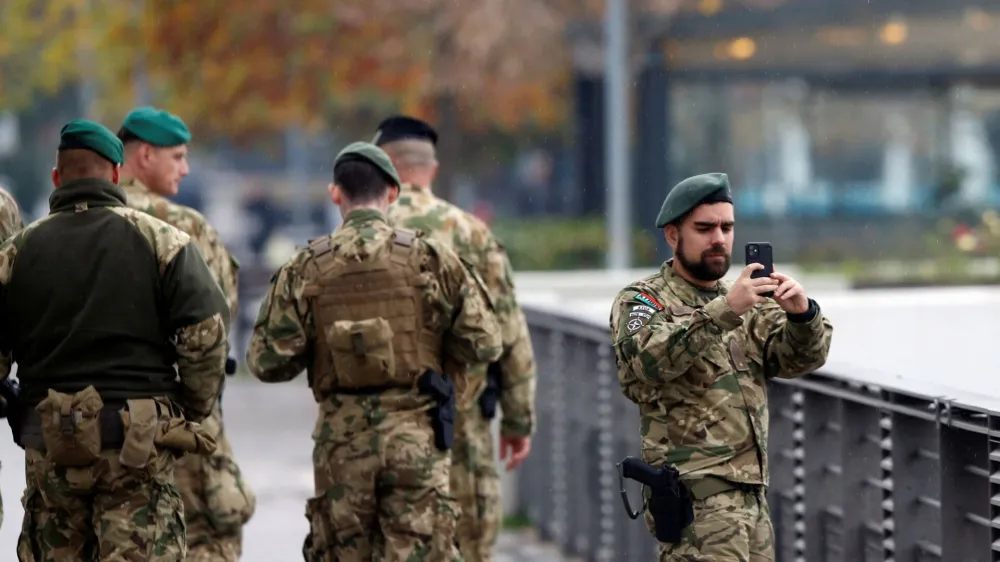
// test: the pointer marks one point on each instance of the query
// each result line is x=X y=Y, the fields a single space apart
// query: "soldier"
x=217 y=499
x=474 y=479
x=368 y=311
x=10 y=215
x=102 y=307
x=695 y=354
x=10 y=223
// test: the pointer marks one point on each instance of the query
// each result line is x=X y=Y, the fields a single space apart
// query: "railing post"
x=824 y=529
x=860 y=455
x=965 y=494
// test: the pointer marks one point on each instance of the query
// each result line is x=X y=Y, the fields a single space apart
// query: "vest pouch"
x=140 y=420
x=362 y=354
x=71 y=427
x=182 y=436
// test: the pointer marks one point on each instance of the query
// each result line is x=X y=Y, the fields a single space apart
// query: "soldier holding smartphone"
x=695 y=353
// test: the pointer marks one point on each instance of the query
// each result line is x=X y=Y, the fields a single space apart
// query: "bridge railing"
x=858 y=472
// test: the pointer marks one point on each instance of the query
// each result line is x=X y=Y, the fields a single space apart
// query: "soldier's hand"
x=790 y=295
x=519 y=447
x=747 y=292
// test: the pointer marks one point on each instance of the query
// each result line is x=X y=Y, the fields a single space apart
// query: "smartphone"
x=761 y=252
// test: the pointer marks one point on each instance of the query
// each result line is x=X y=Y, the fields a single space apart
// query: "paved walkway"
x=270 y=427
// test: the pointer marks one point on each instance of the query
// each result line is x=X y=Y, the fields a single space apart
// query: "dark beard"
x=703 y=270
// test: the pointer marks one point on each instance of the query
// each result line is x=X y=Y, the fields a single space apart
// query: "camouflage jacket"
x=221 y=263
x=418 y=209
x=698 y=372
x=10 y=215
x=281 y=345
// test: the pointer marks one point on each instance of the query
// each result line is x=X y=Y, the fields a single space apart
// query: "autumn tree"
x=257 y=66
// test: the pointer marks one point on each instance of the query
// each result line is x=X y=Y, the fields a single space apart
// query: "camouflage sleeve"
x=221 y=264
x=10 y=216
x=517 y=365
x=657 y=346
x=280 y=344
x=7 y=253
x=794 y=345
x=473 y=335
x=196 y=314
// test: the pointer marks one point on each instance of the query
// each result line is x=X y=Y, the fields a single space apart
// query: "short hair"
x=361 y=181
x=79 y=163
x=127 y=136
x=411 y=152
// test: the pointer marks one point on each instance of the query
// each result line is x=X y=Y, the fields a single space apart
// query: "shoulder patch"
x=648 y=300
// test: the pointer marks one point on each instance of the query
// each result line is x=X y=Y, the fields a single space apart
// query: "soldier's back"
x=464 y=233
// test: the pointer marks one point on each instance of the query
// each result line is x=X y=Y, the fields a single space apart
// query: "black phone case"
x=765 y=257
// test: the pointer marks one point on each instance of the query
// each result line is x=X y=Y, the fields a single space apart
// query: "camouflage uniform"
x=698 y=373
x=105 y=508
x=10 y=215
x=218 y=501
x=474 y=478
x=381 y=484
x=10 y=223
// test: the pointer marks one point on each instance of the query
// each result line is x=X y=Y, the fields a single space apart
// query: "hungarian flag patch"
x=648 y=300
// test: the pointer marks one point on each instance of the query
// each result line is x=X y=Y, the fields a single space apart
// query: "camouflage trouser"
x=476 y=485
x=217 y=500
x=732 y=526
x=382 y=490
x=226 y=549
x=104 y=512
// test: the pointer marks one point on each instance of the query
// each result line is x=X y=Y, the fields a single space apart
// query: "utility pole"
x=616 y=115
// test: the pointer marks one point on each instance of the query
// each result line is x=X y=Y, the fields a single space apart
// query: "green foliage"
x=547 y=244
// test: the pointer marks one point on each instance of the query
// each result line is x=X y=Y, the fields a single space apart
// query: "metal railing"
x=858 y=472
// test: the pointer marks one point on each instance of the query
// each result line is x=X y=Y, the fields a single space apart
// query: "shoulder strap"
x=402 y=245
x=322 y=254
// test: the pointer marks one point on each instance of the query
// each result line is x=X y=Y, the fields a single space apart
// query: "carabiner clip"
x=628 y=506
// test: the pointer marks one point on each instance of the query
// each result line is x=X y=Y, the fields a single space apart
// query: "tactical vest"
x=370 y=332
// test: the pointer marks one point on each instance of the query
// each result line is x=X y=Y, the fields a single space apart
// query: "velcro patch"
x=647 y=299
x=634 y=324
x=644 y=308
x=641 y=314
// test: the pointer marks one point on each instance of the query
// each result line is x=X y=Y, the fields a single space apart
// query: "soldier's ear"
x=335 y=194
x=671 y=234
x=393 y=193
x=55 y=177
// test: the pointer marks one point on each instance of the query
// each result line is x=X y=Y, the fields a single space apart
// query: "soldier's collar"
x=79 y=195
x=360 y=216
x=406 y=187
x=133 y=184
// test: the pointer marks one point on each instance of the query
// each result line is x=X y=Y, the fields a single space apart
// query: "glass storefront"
x=815 y=122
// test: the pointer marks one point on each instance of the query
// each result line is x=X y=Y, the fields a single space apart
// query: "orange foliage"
x=255 y=66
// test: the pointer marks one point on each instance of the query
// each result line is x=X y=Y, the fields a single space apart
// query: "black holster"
x=230 y=365
x=442 y=390
x=491 y=394
x=669 y=501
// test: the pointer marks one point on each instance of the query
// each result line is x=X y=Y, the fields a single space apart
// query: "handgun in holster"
x=491 y=394
x=669 y=500
x=442 y=389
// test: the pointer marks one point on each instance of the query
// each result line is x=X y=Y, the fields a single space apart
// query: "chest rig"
x=370 y=332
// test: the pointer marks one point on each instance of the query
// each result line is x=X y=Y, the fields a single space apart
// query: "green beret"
x=694 y=191
x=87 y=135
x=157 y=127
x=370 y=153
